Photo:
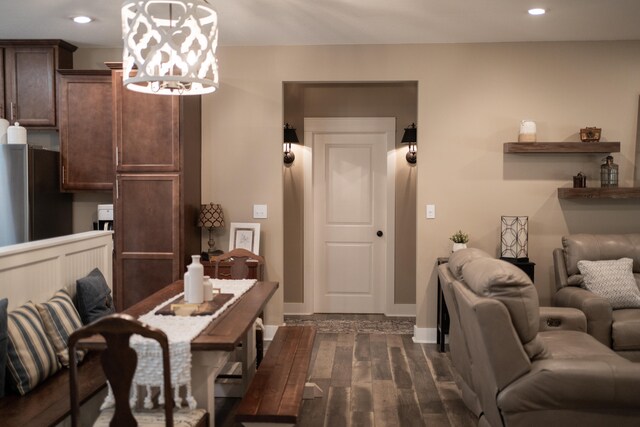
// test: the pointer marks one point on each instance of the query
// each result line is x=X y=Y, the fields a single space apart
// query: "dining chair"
x=240 y=270
x=119 y=362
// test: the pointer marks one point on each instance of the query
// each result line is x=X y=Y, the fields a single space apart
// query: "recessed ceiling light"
x=537 y=11
x=82 y=19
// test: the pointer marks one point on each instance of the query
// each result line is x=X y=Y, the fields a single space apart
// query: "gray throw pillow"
x=93 y=297
x=612 y=280
x=3 y=343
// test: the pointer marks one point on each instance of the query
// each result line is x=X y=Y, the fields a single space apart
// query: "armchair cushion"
x=613 y=280
x=508 y=284
x=625 y=330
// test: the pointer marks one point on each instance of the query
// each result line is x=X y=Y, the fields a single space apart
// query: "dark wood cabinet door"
x=86 y=129
x=147 y=130
x=30 y=85
x=147 y=227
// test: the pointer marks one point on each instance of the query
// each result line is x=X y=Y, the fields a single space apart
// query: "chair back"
x=239 y=268
x=119 y=363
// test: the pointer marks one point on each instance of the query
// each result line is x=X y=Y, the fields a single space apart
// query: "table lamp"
x=211 y=218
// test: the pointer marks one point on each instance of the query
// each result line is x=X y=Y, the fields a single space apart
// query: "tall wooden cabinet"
x=85 y=104
x=28 y=77
x=157 y=196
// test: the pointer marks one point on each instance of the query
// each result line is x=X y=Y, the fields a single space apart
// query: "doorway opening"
x=348 y=100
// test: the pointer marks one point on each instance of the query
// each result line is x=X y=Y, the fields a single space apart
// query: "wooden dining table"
x=218 y=342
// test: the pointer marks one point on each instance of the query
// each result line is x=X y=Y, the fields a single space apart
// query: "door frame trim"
x=314 y=125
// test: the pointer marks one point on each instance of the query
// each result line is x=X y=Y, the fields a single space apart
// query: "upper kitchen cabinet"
x=29 y=80
x=147 y=137
x=85 y=104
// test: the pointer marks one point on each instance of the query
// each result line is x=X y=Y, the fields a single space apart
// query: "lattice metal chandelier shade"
x=170 y=46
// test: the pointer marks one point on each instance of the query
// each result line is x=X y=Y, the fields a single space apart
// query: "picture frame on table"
x=245 y=235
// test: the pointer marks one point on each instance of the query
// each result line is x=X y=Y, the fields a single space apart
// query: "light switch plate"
x=431 y=211
x=259 y=211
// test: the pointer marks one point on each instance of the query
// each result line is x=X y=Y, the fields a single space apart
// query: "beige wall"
x=393 y=99
x=471 y=99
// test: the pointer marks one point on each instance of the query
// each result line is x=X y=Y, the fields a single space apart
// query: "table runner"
x=180 y=330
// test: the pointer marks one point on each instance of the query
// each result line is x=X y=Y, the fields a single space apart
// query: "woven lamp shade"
x=211 y=216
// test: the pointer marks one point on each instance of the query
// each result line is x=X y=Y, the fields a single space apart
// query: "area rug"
x=401 y=326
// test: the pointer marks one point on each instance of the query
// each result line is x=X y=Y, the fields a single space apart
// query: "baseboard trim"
x=296 y=309
x=401 y=310
x=270 y=332
x=424 y=335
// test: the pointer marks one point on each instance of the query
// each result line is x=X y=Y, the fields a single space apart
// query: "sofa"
x=519 y=366
x=613 y=315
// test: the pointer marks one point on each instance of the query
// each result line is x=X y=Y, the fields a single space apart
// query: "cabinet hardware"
x=117 y=189
x=63 y=174
x=117 y=155
x=13 y=112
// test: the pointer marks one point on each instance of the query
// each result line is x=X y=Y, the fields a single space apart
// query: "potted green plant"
x=460 y=240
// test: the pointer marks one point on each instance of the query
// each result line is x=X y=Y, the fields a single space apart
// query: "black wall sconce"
x=289 y=137
x=409 y=137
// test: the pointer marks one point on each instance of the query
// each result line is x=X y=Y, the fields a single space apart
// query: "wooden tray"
x=204 y=309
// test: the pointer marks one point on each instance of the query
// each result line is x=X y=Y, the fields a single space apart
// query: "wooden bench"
x=277 y=389
x=48 y=403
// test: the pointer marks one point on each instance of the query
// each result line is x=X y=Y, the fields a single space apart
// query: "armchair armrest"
x=560 y=268
x=597 y=310
x=604 y=383
x=562 y=319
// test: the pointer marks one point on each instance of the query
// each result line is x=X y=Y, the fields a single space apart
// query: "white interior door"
x=350 y=221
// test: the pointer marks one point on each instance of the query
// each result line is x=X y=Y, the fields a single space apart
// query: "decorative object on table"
x=245 y=235
x=527 y=131
x=514 y=238
x=207 y=288
x=16 y=134
x=580 y=180
x=170 y=46
x=410 y=137
x=609 y=173
x=212 y=218
x=193 y=281
x=459 y=240
x=206 y=308
x=590 y=134
x=289 y=137
x=4 y=125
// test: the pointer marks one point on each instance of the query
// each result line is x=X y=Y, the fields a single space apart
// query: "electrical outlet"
x=259 y=211
x=431 y=211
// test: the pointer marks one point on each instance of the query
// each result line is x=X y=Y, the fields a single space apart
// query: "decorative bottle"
x=609 y=173
x=193 y=281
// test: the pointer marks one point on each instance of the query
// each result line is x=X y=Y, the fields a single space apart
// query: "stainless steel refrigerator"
x=32 y=207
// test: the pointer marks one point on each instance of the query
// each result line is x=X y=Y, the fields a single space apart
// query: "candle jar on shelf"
x=609 y=173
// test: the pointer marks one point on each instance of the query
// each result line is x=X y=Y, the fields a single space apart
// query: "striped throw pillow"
x=60 y=319
x=31 y=355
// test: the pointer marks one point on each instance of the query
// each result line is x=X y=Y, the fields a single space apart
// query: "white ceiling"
x=314 y=22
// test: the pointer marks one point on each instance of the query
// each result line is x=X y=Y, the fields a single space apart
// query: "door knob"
x=379 y=233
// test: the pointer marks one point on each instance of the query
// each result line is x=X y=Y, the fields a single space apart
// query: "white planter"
x=458 y=246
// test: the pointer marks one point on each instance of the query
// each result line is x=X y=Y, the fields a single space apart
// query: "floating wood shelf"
x=561 y=147
x=599 y=193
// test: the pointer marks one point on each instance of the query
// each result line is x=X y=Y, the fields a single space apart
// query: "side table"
x=443 y=320
x=442 y=328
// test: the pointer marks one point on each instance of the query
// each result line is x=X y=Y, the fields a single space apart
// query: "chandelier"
x=170 y=46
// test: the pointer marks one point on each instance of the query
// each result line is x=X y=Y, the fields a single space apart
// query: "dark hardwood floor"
x=376 y=380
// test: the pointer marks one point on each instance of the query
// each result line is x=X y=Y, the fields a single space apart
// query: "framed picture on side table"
x=245 y=235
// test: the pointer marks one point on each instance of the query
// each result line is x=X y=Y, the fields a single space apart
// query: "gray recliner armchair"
x=518 y=368
x=615 y=328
